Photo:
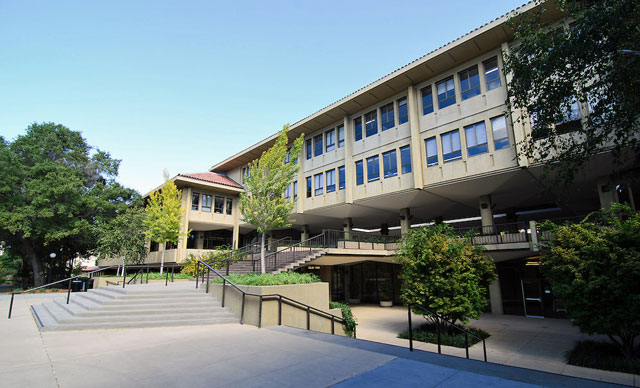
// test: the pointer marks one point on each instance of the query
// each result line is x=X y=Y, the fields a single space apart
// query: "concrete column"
x=349 y=175
x=305 y=233
x=405 y=225
x=384 y=229
x=495 y=297
x=521 y=128
x=302 y=185
x=486 y=213
x=347 y=227
x=181 y=251
x=270 y=243
x=533 y=228
x=606 y=192
x=416 y=148
x=236 y=222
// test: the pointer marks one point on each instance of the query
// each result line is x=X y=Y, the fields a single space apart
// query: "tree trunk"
x=162 y=257
x=36 y=263
x=262 y=254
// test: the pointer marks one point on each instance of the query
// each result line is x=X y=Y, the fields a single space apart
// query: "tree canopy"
x=56 y=192
x=263 y=204
x=589 y=64
x=124 y=237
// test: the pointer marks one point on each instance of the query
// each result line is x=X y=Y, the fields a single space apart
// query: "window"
x=309 y=187
x=446 y=93
x=405 y=159
x=206 y=203
x=491 y=73
x=192 y=239
x=218 y=205
x=287 y=191
x=403 y=113
x=451 y=146
x=390 y=164
x=317 y=145
x=373 y=168
x=319 y=184
x=469 y=82
x=341 y=178
x=387 y=118
x=330 y=140
x=309 y=151
x=340 y=136
x=432 y=151
x=295 y=190
x=371 y=123
x=331 y=181
x=500 y=136
x=229 y=206
x=359 y=173
x=427 y=100
x=154 y=246
x=357 y=128
x=195 y=201
x=287 y=157
x=244 y=173
x=476 y=138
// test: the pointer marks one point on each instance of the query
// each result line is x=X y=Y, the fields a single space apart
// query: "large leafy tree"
x=124 y=237
x=444 y=273
x=591 y=60
x=55 y=193
x=594 y=266
x=263 y=204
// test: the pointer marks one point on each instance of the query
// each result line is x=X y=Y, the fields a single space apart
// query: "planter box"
x=391 y=246
x=386 y=303
x=341 y=244
x=366 y=245
x=379 y=246
x=351 y=244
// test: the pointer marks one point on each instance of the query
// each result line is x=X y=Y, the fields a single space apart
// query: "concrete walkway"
x=532 y=343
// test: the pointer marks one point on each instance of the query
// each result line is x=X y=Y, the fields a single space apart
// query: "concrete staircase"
x=300 y=260
x=284 y=261
x=144 y=305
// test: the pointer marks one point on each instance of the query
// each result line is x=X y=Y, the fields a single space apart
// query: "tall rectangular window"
x=244 y=173
x=405 y=159
x=491 y=73
x=357 y=128
x=287 y=191
x=341 y=178
x=373 y=168
x=218 y=205
x=319 y=184
x=295 y=190
x=390 y=164
x=340 y=136
x=331 y=180
x=500 y=135
x=469 y=82
x=309 y=192
x=309 y=150
x=427 y=100
x=359 y=172
x=317 y=145
x=476 y=138
x=387 y=116
x=371 y=123
x=446 y=93
x=229 y=206
x=451 y=146
x=287 y=157
x=206 y=203
x=403 y=112
x=431 y=146
x=330 y=140
x=195 y=201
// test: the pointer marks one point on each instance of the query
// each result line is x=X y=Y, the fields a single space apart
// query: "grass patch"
x=601 y=355
x=349 y=324
x=449 y=337
x=267 y=279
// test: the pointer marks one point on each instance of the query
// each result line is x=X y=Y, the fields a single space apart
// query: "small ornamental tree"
x=444 y=273
x=263 y=204
x=164 y=216
x=594 y=266
x=124 y=237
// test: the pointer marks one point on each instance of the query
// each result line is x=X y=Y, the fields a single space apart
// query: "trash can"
x=76 y=285
x=88 y=283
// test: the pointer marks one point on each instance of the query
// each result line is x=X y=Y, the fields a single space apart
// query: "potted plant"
x=385 y=293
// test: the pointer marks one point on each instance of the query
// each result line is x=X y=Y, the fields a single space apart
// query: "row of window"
x=476 y=136
x=387 y=118
x=389 y=165
x=325 y=142
x=316 y=183
x=208 y=200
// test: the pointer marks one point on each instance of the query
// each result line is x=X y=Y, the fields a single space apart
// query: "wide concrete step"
x=81 y=311
x=164 y=299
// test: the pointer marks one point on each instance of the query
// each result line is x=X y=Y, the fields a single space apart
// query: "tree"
x=444 y=273
x=594 y=61
x=594 y=266
x=55 y=192
x=263 y=204
x=164 y=216
x=124 y=237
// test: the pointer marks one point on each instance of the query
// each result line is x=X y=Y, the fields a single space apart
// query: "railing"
x=359 y=240
x=274 y=261
x=495 y=234
x=466 y=332
x=266 y=297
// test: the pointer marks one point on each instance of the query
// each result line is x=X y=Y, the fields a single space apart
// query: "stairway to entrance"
x=144 y=305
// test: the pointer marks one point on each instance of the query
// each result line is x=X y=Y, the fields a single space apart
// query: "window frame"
x=477 y=148
x=295 y=190
x=373 y=168
x=309 y=186
x=341 y=178
x=203 y=205
x=467 y=76
x=387 y=112
x=432 y=160
x=427 y=108
x=390 y=164
x=195 y=200
x=215 y=205
x=318 y=184
x=309 y=145
x=228 y=206
x=357 y=128
x=455 y=154
x=359 y=167
x=340 y=133
x=330 y=140
x=373 y=121
x=403 y=110
x=405 y=151
x=331 y=183
x=449 y=99
x=502 y=142
x=318 y=145
x=491 y=83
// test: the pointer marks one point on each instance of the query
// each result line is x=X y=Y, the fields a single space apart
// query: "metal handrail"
x=466 y=332
x=266 y=297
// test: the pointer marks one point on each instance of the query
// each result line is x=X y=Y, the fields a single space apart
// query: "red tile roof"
x=213 y=177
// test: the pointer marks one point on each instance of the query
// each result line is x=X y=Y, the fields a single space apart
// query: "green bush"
x=601 y=355
x=349 y=324
x=153 y=275
x=267 y=279
x=427 y=332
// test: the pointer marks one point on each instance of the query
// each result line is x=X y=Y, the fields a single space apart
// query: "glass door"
x=532 y=292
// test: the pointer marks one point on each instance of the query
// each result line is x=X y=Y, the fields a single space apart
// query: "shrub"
x=601 y=355
x=254 y=279
x=349 y=324
x=427 y=332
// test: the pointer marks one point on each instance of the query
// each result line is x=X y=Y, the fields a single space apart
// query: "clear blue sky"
x=185 y=84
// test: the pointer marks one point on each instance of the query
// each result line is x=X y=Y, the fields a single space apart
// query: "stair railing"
x=289 y=254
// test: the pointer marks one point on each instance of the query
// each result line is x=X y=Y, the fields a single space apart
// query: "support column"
x=305 y=233
x=405 y=225
x=416 y=149
x=606 y=192
x=347 y=227
x=533 y=228
x=486 y=213
x=349 y=175
x=181 y=251
x=495 y=297
x=521 y=128
x=236 y=223
x=302 y=184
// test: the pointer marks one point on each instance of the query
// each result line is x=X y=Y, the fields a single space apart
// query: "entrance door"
x=532 y=292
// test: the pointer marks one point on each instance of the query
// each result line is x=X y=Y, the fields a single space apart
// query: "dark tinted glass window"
x=331 y=180
x=387 y=118
x=309 y=151
x=469 y=82
x=340 y=136
x=491 y=73
x=317 y=145
x=229 y=206
x=371 y=123
x=405 y=159
x=357 y=128
x=390 y=163
x=341 y=177
x=330 y=140
x=427 y=100
x=195 y=201
x=432 y=151
x=373 y=168
x=309 y=192
x=359 y=173
x=206 y=203
x=403 y=113
x=319 y=186
x=446 y=93
x=218 y=205
x=476 y=139
x=451 y=146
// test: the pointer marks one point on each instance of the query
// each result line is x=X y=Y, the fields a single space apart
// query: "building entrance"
x=367 y=282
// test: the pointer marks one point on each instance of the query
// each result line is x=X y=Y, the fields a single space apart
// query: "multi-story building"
x=433 y=141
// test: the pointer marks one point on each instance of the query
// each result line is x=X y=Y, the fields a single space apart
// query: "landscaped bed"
x=254 y=279
x=601 y=355
x=449 y=336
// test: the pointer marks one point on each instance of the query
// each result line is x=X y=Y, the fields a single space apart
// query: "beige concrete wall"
x=314 y=294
